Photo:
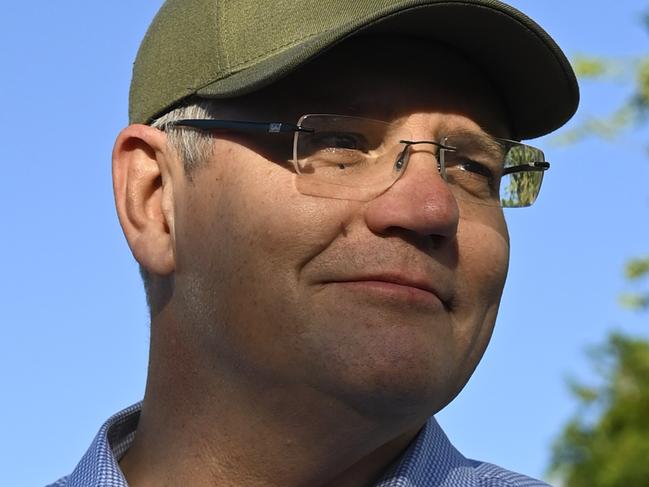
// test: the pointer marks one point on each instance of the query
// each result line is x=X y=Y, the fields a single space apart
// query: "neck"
x=202 y=429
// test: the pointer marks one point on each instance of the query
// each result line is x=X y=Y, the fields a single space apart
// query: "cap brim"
x=531 y=73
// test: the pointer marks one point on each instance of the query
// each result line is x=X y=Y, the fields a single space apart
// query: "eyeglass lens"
x=355 y=158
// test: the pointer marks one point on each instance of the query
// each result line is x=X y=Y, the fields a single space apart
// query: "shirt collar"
x=99 y=467
x=430 y=460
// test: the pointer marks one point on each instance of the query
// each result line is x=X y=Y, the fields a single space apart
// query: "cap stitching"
x=278 y=48
x=215 y=17
x=225 y=38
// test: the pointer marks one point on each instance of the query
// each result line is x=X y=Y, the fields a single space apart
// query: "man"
x=314 y=193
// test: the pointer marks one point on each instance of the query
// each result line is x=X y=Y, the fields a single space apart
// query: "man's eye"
x=334 y=140
x=476 y=168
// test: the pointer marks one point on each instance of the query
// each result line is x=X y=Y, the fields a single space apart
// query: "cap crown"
x=226 y=48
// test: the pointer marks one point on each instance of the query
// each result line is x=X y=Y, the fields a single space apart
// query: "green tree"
x=606 y=443
x=637 y=271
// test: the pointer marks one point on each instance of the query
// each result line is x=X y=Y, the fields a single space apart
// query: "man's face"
x=291 y=290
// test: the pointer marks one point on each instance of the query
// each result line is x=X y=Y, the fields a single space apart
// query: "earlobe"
x=142 y=183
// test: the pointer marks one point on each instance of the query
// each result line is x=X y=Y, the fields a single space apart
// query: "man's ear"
x=143 y=166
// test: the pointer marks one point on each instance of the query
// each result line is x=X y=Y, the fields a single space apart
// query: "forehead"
x=385 y=78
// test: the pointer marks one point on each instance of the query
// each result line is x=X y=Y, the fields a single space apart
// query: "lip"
x=413 y=289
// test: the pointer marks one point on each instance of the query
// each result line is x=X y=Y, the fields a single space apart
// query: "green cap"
x=227 y=48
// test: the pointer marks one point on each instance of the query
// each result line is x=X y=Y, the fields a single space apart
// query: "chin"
x=398 y=400
x=390 y=381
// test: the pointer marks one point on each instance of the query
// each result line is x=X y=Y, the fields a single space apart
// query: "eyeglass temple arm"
x=527 y=167
x=243 y=126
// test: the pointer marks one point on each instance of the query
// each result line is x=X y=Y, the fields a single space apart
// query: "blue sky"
x=72 y=313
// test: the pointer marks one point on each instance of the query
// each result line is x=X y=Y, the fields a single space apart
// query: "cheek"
x=256 y=217
x=285 y=228
x=483 y=241
x=246 y=238
x=482 y=269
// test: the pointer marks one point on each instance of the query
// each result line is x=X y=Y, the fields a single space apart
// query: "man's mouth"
x=397 y=286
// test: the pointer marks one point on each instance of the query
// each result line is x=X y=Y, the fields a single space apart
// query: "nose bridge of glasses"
x=425 y=147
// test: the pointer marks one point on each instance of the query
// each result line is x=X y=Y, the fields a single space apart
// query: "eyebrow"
x=482 y=141
x=480 y=134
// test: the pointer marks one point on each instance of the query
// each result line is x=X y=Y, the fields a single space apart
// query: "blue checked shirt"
x=430 y=461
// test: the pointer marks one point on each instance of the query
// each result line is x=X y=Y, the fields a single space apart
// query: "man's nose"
x=420 y=201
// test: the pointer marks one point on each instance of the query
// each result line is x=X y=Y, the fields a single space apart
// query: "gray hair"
x=193 y=147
